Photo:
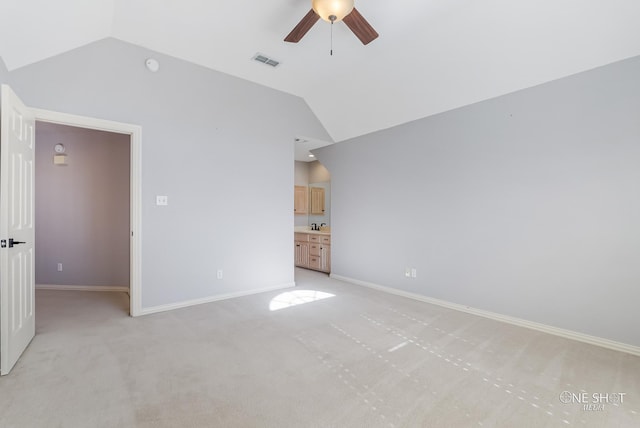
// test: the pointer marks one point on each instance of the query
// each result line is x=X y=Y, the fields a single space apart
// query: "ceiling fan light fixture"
x=332 y=10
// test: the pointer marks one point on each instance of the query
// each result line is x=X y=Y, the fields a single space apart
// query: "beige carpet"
x=360 y=359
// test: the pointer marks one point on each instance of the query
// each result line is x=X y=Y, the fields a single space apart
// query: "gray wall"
x=525 y=205
x=82 y=209
x=301 y=173
x=219 y=147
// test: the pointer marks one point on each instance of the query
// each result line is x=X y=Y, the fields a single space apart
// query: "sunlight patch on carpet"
x=297 y=297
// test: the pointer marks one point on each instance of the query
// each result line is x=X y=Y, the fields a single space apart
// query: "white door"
x=17 y=275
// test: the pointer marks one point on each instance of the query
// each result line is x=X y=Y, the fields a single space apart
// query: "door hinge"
x=3 y=243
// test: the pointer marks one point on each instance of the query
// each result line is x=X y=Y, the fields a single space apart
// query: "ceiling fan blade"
x=303 y=26
x=360 y=27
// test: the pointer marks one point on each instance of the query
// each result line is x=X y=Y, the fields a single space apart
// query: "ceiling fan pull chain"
x=331 y=51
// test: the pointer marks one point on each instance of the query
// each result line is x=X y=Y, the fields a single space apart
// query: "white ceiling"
x=431 y=56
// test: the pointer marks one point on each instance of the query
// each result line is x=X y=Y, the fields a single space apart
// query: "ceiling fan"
x=332 y=11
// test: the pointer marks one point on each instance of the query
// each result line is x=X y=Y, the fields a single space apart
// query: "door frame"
x=135 y=183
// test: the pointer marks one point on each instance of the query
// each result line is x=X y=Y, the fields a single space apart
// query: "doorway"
x=81 y=209
x=133 y=132
x=17 y=132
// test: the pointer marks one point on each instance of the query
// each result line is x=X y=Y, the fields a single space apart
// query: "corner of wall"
x=321 y=132
x=503 y=194
x=4 y=73
x=113 y=69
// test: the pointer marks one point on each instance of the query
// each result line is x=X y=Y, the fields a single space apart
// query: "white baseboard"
x=568 y=334
x=187 y=303
x=61 y=287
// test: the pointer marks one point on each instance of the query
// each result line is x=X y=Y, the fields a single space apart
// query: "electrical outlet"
x=162 y=200
x=219 y=274
x=407 y=272
x=59 y=267
x=414 y=272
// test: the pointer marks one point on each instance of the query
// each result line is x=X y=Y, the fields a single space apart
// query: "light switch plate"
x=162 y=200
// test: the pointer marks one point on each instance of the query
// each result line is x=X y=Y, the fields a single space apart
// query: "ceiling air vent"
x=266 y=60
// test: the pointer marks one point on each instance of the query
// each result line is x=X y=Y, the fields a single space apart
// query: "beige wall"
x=82 y=209
x=318 y=173
x=314 y=172
x=301 y=178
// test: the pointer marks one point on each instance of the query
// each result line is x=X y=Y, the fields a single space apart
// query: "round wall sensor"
x=59 y=148
x=152 y=65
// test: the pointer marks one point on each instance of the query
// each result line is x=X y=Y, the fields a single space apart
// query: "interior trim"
x=63 y=287
x=568 y=334
x=135 y=216
x=187 y=303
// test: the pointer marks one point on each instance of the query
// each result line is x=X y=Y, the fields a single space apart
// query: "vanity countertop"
x=306 y=229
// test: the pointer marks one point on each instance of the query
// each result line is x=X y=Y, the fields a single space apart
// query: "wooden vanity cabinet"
x=301 y=249
x=313 y=251
x=325 y=253
x=317 y=200
x=300 y=200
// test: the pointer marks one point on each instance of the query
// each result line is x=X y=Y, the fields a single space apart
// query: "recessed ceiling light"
x=311 y=156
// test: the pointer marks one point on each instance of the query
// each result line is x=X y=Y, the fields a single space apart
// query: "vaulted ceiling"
x=431 y=56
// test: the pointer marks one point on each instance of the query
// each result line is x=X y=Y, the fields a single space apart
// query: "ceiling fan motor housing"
x=332 y=10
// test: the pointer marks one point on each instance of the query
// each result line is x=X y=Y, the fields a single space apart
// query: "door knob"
x=12 y=242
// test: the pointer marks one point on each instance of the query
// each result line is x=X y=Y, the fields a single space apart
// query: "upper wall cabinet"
x=317 y=201
x=301 y=200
